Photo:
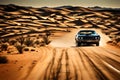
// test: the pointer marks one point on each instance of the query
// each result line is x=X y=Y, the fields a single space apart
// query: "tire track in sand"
x=81 y=63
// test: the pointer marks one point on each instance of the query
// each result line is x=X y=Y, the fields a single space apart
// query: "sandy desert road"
x=85 y=63
x=77 y=63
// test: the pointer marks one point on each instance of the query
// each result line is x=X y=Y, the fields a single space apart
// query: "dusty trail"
x=82 y=63
x=65 y=61
x=78 y=63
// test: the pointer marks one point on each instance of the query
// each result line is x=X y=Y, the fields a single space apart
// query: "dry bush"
x=21 y=40
x=20 y=48
x=12 y=42
x=4 y=40
x=29 y=42
x=46 y=40
x=42 y=44
x=4 y=46
x=117 y=39
x=37 y=42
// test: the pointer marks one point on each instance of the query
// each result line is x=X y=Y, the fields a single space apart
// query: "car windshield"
x=86 y=32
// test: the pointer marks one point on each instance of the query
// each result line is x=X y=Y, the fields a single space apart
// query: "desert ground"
x=39 y=43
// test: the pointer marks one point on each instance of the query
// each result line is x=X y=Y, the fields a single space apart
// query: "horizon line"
x=61 y=6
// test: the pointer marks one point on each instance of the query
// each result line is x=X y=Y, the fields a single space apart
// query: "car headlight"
x=81 y=37
x=97 y=37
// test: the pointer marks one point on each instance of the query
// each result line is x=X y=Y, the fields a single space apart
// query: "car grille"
x=88 y=38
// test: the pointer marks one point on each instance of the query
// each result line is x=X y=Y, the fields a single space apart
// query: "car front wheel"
x=78 y=44
x=97 y=44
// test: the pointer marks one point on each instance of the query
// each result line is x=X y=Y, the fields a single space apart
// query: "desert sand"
x=60 y=59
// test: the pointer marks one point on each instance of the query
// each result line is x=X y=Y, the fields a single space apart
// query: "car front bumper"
x=87 y=41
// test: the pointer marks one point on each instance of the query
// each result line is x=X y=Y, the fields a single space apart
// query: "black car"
x=87 y=37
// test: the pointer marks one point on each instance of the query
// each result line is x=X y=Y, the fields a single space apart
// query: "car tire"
x=78 y=44
x=97 y=44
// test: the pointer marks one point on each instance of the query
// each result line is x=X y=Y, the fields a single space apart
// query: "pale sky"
x=52 y=3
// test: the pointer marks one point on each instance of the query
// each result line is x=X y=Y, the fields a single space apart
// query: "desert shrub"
x=42 y=44
x=46 y=37
x=47 y=33
x=4 y=47
x=21 y=40
x=37 y=42
x=12 y=42
x=3 y=59
x=19 y=48
x=4 y=40
x=28 y=42
x=46 y=40
x=117 y=40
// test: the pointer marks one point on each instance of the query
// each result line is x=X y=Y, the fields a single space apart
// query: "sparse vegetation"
x=21 y=40
x=117 y=40
x=13 y=42
x=4 y=40
x=4 y=46
x=20 y=48
x=46 y=40
x=29 y=42
x=37 y=42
